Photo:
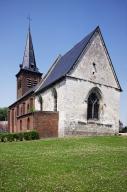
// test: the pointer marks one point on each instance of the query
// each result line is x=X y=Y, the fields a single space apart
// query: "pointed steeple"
x=29 y=62
x=28 y=76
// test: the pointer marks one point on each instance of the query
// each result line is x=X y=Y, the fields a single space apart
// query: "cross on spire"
x=29 y=57
x=29 y=20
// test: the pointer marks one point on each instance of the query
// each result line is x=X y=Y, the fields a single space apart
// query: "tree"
x=3 y=113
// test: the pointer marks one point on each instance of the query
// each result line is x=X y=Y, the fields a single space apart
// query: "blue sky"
x=56 y=26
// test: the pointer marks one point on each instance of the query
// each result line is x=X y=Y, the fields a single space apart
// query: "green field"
x=84 y=164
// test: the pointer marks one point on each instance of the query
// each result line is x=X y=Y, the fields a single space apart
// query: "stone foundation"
x=90 y=129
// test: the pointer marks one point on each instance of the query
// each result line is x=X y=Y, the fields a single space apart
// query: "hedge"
x=31 y=135
x=124 y=130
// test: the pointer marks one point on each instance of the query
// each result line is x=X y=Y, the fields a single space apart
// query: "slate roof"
x=66 y=62
x=29 y=62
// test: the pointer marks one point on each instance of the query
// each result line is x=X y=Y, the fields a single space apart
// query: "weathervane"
x=29 y=20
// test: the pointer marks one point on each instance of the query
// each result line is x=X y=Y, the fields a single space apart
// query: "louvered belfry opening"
x=93 y=107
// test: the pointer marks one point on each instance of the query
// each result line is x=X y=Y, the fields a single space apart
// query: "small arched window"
x=18 y=110
x=28 y=108
x=23 y=108
x=55 y=98
x=31 y=103
x=20 y=125
x=28 y=123
x=93 y=106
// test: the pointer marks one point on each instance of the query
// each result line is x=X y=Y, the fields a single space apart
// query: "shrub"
x=31 y=135
x=16 y=136
x=34 y=135
x=20 y=136
x=4 y=137
x=27 y=135
x=10 y=137
x=124 y=130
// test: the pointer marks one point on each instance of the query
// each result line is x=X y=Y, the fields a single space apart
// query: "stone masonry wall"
x=76 y=108
x=92 y=70
x=101 y=72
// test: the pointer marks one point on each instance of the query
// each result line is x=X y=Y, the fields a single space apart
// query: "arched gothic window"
x=93 y=106
x=40 y=100
x=55 y=98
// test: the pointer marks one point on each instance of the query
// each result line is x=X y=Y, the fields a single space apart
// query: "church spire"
x=29 y=62
x=28 y=75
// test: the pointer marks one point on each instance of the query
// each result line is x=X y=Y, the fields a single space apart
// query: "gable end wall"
x=102 y=73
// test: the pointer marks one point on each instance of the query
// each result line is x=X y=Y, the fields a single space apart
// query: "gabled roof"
x=67 y=61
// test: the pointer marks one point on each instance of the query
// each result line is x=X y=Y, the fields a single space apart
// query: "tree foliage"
x=3 y=113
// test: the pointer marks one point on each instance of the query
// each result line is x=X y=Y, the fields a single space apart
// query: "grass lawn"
x=85 y=164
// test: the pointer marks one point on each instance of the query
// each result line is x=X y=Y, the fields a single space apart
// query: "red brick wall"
x=22 y=123
x=46 y=123
x=20 y=111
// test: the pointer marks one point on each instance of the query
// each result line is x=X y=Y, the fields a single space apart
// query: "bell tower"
x=28 y=75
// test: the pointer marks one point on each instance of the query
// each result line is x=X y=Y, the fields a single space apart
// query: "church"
x=79 y=95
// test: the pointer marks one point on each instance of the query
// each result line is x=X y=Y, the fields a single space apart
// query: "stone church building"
x=80 y=94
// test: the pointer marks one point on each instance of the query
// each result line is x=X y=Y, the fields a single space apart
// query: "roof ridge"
x=67 y=61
